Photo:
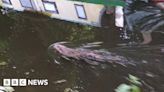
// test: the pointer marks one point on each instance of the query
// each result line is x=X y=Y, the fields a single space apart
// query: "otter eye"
x=58 y=46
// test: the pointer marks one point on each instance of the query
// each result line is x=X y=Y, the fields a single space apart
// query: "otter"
x=93 y=57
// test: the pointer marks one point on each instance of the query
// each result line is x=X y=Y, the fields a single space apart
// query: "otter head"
x=59 y=47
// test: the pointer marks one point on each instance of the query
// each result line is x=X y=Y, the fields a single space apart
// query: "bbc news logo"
x=25 y=82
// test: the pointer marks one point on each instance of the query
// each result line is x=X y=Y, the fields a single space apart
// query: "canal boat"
x=88 y=12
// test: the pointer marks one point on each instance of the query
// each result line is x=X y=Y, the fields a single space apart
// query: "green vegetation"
x=3 y=52
x=3 y=45
x=54 y=32
x=132 y=87
x=81 y=33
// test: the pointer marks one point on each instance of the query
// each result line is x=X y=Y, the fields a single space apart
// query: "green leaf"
x=134 y=80
x=135 y=88
x=133 y=77
x=7 y=89
x=123 y=88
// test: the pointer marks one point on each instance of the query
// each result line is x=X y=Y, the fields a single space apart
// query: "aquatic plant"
x=132 y=87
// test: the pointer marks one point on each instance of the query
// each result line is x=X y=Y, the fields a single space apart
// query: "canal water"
x=24 y=41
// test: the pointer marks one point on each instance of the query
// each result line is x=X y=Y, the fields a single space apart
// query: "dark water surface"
x=25 y=37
